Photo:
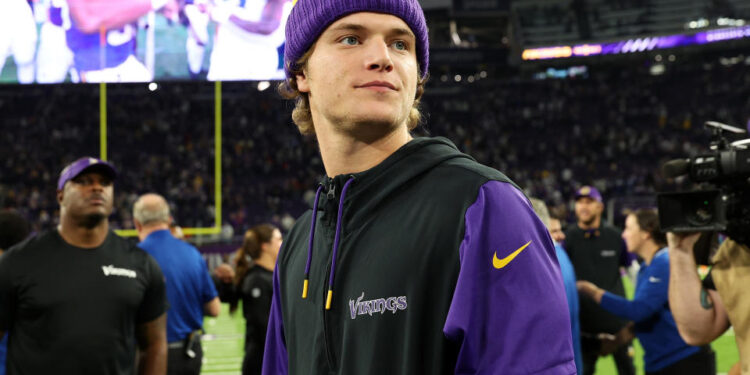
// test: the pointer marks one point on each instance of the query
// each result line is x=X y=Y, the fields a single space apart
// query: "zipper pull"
x=331 y=190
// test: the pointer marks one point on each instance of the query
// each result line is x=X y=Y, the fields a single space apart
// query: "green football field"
x=725 y=348
x=223 y=346
x=223 y=343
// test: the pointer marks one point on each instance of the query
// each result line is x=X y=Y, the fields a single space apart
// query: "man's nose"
x=97 y=185
x=379 y=57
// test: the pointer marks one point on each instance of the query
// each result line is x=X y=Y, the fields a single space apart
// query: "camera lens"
x=701 y=213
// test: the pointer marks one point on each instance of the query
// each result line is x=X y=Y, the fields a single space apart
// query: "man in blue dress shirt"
x=190 y=290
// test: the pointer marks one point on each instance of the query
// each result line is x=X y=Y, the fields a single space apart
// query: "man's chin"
x=588 y=222
x=384 y=122
x=372 y=126
x=91 y=221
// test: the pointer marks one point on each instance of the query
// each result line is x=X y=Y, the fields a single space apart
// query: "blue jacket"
x=189 y=285
x=3 y=353
x=654 y=325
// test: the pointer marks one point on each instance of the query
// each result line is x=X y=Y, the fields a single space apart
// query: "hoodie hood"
x=372 y=186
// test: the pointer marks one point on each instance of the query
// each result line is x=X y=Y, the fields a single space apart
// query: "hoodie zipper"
x=326 y=335
x=331 y=193
x=331 y=197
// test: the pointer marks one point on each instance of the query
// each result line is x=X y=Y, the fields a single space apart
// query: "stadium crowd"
x=610 y=129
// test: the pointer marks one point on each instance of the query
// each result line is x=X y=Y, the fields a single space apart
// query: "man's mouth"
x=97 y=201
x=378 y=85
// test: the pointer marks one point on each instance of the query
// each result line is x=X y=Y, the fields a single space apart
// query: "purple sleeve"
x=509 y=300
x=275 y=359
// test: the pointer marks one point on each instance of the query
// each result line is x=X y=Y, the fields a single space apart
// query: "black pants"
x=701 y=363
x=178 y=362
x=252 y=364
x=590 y=353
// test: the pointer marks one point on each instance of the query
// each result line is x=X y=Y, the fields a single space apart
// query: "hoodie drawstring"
x=329 y=295
x=310 y=244
x=336 y=242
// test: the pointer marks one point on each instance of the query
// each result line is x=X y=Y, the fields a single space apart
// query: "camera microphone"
x=676 y=167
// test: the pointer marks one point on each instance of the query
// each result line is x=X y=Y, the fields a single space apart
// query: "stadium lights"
x=153 y=86
x=729 y=61
x=723 y=21
x=262 y=85
x=657 y=69
x=457 y=78
x=455 y=38
x=571 y=72
x=698 y=24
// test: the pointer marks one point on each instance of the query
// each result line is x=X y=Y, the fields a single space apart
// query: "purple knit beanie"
x=309 y=18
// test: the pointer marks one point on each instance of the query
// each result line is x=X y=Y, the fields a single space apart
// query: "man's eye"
x=349 y=40
x=400 y=45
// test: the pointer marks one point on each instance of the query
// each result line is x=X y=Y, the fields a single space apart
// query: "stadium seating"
x=611 y=129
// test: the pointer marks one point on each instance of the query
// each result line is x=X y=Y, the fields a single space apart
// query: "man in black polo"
x=597 y=252
x=79 y=299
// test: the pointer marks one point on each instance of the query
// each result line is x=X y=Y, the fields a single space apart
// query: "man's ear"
x=647 y=236
x=60 y=196
x=302 y=83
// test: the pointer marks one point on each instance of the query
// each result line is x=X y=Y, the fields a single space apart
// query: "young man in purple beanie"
x=415 y=259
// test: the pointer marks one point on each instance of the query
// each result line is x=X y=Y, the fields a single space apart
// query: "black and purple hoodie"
x=428 y=263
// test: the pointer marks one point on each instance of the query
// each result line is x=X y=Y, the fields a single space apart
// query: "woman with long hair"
x=666 y=353
x=253 y=284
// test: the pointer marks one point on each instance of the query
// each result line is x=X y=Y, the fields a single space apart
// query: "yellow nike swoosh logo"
x=500 y=263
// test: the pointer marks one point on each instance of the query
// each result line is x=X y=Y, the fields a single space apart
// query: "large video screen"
x=90 y=41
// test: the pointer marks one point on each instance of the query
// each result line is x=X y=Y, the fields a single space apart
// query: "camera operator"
x=703 y=310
